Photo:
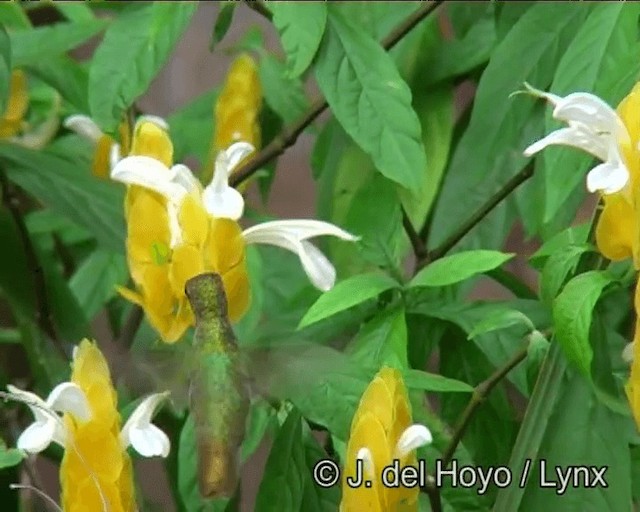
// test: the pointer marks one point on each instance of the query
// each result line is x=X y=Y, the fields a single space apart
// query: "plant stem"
x=289 y=135
x=417 y=244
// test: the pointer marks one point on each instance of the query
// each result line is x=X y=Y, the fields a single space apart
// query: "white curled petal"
x=591 y=111
x=185 y=178
x=147 y=439
x=609 y=177
x=302 y=229
x=227 y=203
x=234 y=155
x=33 y=401
x=114 y=155
x=365 y=455
x=37 y=436
x=573 y=136
x=150 y=173
x=84 y=126
x=157 y=120
x=68 y=397
x=413 y=438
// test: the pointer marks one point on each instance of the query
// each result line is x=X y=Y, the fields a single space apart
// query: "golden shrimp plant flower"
x=202 y=234
x=612 y=136
x=12 y=120
x=95 y=472
x=381 y=432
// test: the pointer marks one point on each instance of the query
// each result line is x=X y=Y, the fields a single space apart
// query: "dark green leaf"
x=371 y=101
x=572 y=311
x=416 y=379
x=67 y=77
x=557 y=268
x=316 y=498
x=501 y=319
x=222 y=24
x=346 y=294
x=458 y=267
x=5 y=68
x=301 y=26
x=134 y=49
x=75 y=12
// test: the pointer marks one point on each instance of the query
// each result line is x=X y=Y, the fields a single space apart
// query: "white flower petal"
x=365 y=455
x=114 y=155
x=84 y=126
x=574 y=136
x=147 y=439
x=609 y=177
x=302 y=229
x=185 y=178
x=413 y=438
x=37 y=436
x=68 y=397
x=157 y=120
x=227 y=204
x=592 y=111
x=233 y=155
x=149 y=173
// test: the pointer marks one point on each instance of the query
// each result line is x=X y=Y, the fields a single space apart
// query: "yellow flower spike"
x=381 y=431
x=17 y=105
x=152 y=140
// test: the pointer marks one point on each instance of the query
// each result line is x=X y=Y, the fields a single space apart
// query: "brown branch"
x=43 y=315
x=131 y=326
x=480 y=214
x=289 y=135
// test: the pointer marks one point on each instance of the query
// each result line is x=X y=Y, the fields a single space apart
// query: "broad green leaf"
x=300 y=26
x=580 y=432
x=222 y=24
x=346 y=294
x=575 y=235
x=370 y=100
x=557 y=268
x=135 y=47
x=282 y=487
x=489 y=152
x=315 y=498
x=381 y=341
x=33 y=45
x=416 y=379
x=458 y=267
x=601 y=59
x=13 y=16
x=69 y=190
x=5 y=67
x=10 y=457
x=285 y=95
x=501 y=319
x=95 y=281
x=67 y=77
x=75 y=12
x=572 y=311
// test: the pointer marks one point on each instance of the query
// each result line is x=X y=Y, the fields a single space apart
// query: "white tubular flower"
x=594 y=127
x=219 y=198
x=292 y=235
x=138 y=432
x=48 y=426
x=412 y=438
x=84 y=126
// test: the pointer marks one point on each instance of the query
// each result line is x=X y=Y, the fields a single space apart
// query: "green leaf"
x=10 y=457
x=458 y=267
x=285 y=95
x=282 y=487
x=301 y=26
x=536 y=352
x=346 y=294
x=5 y=67
x=557 y=268
x=381 y=341
x=70 y=190
x=36 y=44
x=75 y=12
x=134 y=49
x=489 y=152
x=572 y=311
x=67 y=77
x=95 y=281
x=9 y=336
x=501 y=319
x=601 y=59
x=222 y=24
x=416 y=379
x=370 y=100
x=316 y=498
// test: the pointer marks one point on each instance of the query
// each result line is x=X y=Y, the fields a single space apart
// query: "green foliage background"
x=433 y=189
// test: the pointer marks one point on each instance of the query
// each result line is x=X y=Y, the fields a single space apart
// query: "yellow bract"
x=161 y=261
x=95 y=468
x=102 y=156
x=17 y=105
x=383 y=414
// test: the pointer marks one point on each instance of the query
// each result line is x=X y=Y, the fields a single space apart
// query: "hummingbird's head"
x=206 y=296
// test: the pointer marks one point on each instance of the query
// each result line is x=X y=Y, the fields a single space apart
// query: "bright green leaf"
x=134 y=49
x=501 y=319
x=416 y=379
x=67 y=77
x=370 y=100
x=458 y=267
x=572 y=311
x=301 y=25
x=557 y=268
x=346 y=294
x=10 y=457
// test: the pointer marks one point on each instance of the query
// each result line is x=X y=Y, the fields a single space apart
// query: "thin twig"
x=42 y=313
x=290 y=134
x=480 y=214
x=480 y=393
x=259 y=7
x=131 y=326
x=417 y=244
